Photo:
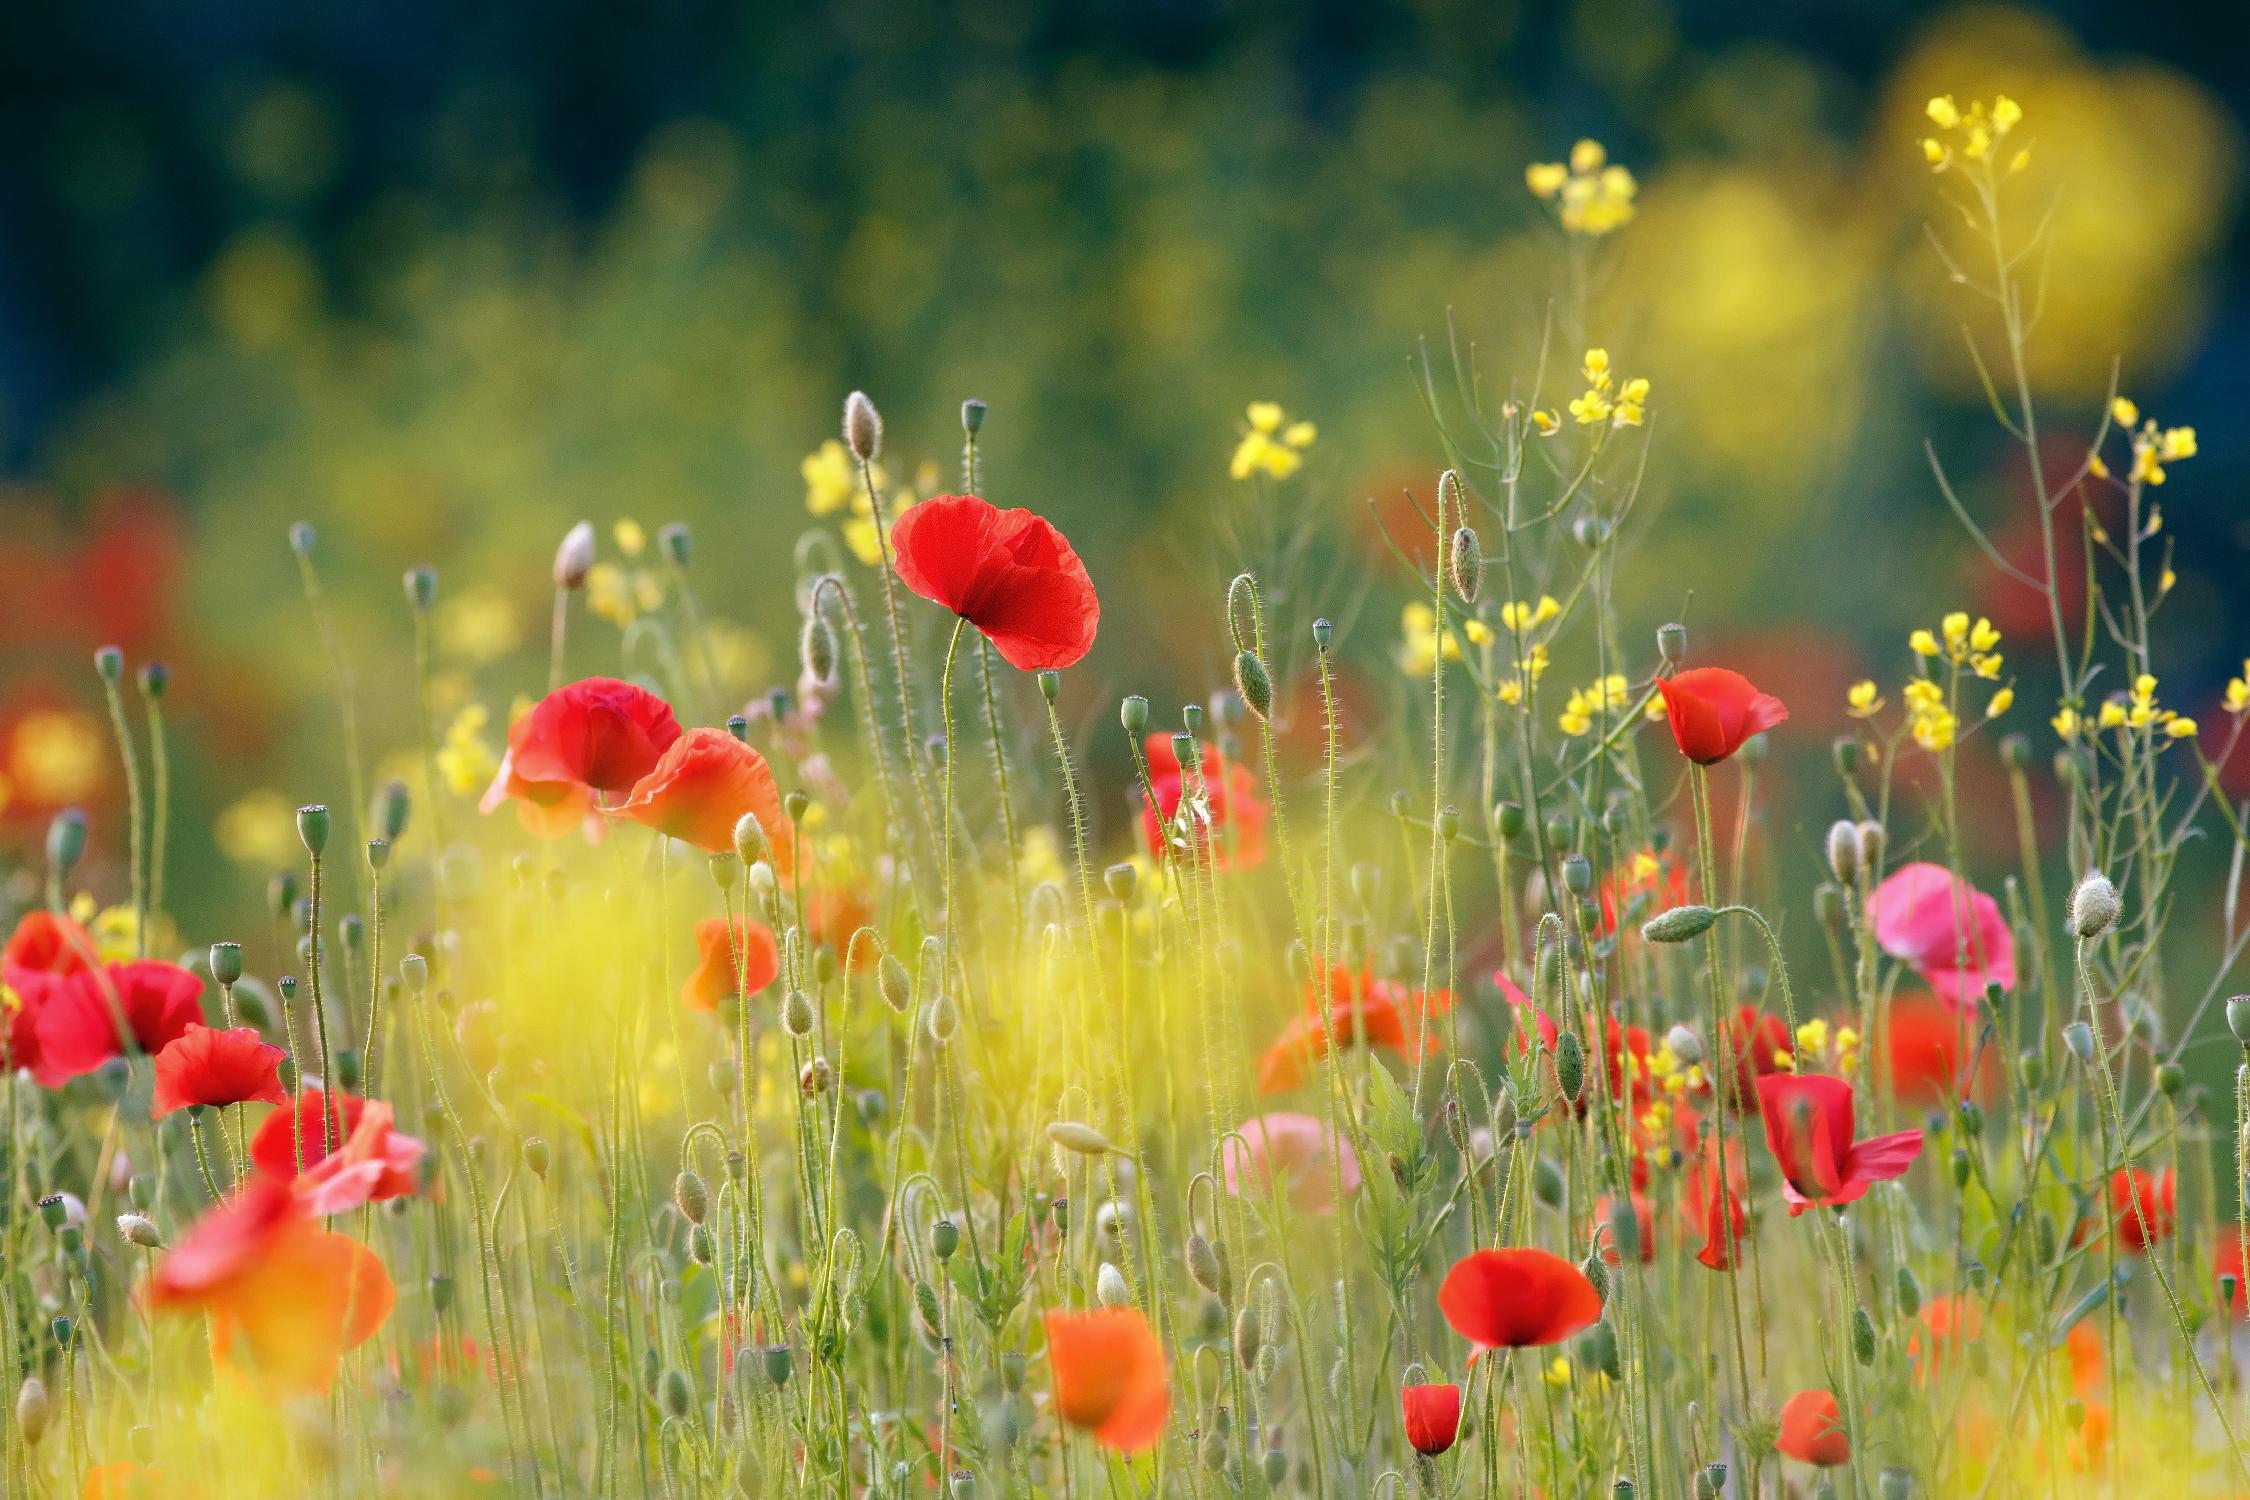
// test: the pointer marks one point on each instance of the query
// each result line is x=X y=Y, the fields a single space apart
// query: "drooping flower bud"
x=1679 y=925
x=690 y=1197
x=893 y=983
x=32 y=1410
x=1843 y=851
x=2093 y=906
x=1464 y=563
x=136 y=1229
x=1083 y=1139
x=816 y=649
x=574 y=559
x=1109 y=1286
x=1251 y=681
x=797 y=1014
x=1570 y=1066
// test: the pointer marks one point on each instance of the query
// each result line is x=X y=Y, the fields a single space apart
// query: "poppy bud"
x=1083 y=1139
x=1863 y=1336
x=2238 y=1018
x=797 y=1014
x=1909 y=1293
x=945 y=1238
x=893 y=983
x=814 y=1077
x=1205 y=1267
x=1547 y=1183
x=2169 y=1079
x=312 y=828
x=109 y=661
x=816 y=649
x=32 y=1410
x=1710 y=1481
x=154 y=679
x=863 y=427
x=1276 y=1464
x=1465 y=564
x=1671 y=643
x=679 y=1396
x=1249 y=1337
x=1322 y=633
x=1679 y=925
x=777 y=1360
x=926 y=1303
x=1828 y=904
x=701 y=1247
x=1843 y=851
x=1562 y=833
x=1251 y=681
x=63 y=1329
x=574 y=559
x=1109 y=1286
x=2015 y=751
x=137 y=1230
x=2093 y=906
x=66 y=840
x=1577 y=874
x=943 y=1018
x=421 y=587
x=2079 y=1038
x=749 y=839
x=1132 y=712
x=690 y=1197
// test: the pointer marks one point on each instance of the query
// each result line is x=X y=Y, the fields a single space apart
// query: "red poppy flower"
x=1640 y=886
x=1712 y=711
x=296 y=1297
x=373 y=1163
x=1758 y=1042
x=1230 y=832
x=1812 y=1430
x=700 y=788
x=1945 y=929
x=1109 y=1374
x=1926 y=1042
x=217 y=1068
x=1625 y=1049
x=731 y=961
x=1007 y=572
x=1713 y=1201
x=2226 y=1264
x=834 y=913
x=89 y=1017
x=46 y=943
x=1517 y=1299
x=1433 y=1416
x=2158 y=1201
x=1391 y=1018
x=597 y=733
x=1644 y=1230
x=1949 y=1322
x=275 y=1145
x=1809 y=1129
x=547 y=809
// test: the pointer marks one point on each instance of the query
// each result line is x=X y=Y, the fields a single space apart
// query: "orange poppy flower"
x=2158 y=1200
x=1812 y=1430
x=1110 y=1377
x=1360 y=1008
x=732 y=960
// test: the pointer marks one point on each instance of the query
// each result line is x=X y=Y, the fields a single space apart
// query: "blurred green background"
x=443 y=279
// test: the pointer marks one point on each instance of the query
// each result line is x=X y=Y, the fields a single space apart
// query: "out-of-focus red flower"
x=1927 y=1041
x=700 y=788
x=1517 y=1299
x=1290 y=1153
x=1809 y=1128
x=1644 y=1230
x=294 y=1296
x=1110 y=1377
x=1713 y=1200
x=732 y=960
x=1007 y=572
x=374 y=1163
x=1641 y=885
x=1361 y=1008
x=297 y=1132
x=1949 y=1322
x=1812 y=1430
x=217 y=1068
x=834 y=912
x=2143 y=1207
x=597 y=733
x=93 y=1015
x=1625 y=1049
x=47 y=943
x=2226 y=1261
x=1944 y=929
x=1433 y=1416
x=1712 y=711
x=546 y=809
x=1231 y=830
x=1757 y=1042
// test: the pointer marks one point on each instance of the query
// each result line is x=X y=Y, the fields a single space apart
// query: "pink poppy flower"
x=1293 y=1148
x=1946 y=930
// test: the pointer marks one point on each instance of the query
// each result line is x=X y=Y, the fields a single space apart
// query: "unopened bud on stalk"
x=749 y=839
x=1546 y=1182
x=1909 y=1293
x=574 y=559
x=140 y=1231
x=1863 y=1336
x=945 y=1238
x=797 y=1014
x=1465 y=564
x=816 y=649
x=1251 y=681
x=1681 y=924
x=32 y=1410
x=1508 y=817
x=1109 y=1286
x=1828 y=904
x=1205 y=1267
x=1843 y=851
x=421 y=587
x=863 y=427
x=109 y=662
x=814 y=1078
x=679 y=1396
x=2170 y=1079
x=1684 y=1045
x=893 y=983
x=2238 y=1018
x=1249 y=1337
x=66 y=841
x=690 y=1197
x=1710 y=1481
x=943 y=1018
x=1570 y=1066
x=2093 y=906
x=1671 y=643
x=1083 y=1139
x=1871 y=843
x=2079 y=1038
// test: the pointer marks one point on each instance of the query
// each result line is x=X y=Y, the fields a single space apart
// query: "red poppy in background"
x=1758 y=1042
x=1517 y=1299
x=1926 y=1040
x=2226 y=1261
x=1235 y=836
x=1392 y=1018
x=700 y=788
x=1109 y=1374
x=1433 y=1416
x=731 y=961
x=1713 y=1202
x=2158 y=1199
x=1812 y=1430
x=295 y=1296
x=88 y=1018
x=374 y=1163
x=46 y=942
x=275 y=1146
x=1642 y=885
x=834 y=914
x=1950 y=1322
x=598 y=733
x=1945 y=930
x=1007 y=572
x=1712 y=711
x=1644 y=1230
x=1809 y=1129
x=1624 y=1048
x=217 y=1068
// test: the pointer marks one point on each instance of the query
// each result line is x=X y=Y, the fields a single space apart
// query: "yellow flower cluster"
x=465 y=760
x=2137 y=710
x=1929 y=718
x=1605 y=400
x=1864 y=700
x=1594 y=194
x=1591 y=701
x=1273 y=445
x=1975 y=133
x=621 y=593
x=2153 y=447
x=1418 y=622
x=1517 y=686
x=1962 y=644
x=1823 y=1045
x=2238 y=691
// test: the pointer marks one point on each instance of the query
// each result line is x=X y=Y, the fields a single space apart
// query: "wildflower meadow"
x=913 y=1065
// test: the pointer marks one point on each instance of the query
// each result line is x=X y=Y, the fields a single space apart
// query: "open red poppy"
x=1812 y=1430
x=1809 y=1128
x=1517 y=1299
x=1360 y=1008
x=89 y=1017
x=700 y=788
x=1231 y=832
x=1713 y=1200
x=1433 y=1416
x=2157 y=1198
x=1109 y=1374
x=1927 y=1041
x=47 y=943
x=598 y=732
x=1007 y=572
x=731 y=961
x=373 y=1163
x=1712 y=711
x=217 y=1068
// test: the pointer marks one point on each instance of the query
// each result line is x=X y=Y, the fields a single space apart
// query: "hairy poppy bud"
x=1863 y=1336
x=2093 y=906
x=814 y=1077
x=679 y=1396
x=1083 y=1139
x=863 y=427
x=1828 y=904
x=1679 y=925
x=749 y=839
x=2079 y=1038
x=421 y=587
x=312 y=828
x=1684 y=1045
x=817 y=650
x=32 y=1410
x=1909 y=1293
x=66 y=840
x=140 y=1231
x=1205 y=1266
x=943 y=1018
x=1251 y=681
x=574 y=559
x=797 y=1014
x=893 y=983
x=1843 y=851
x=1109 y=1286
x=690 y=1197
x=1249 y=1337
x=777 y=1361
x=1547 y=1182
x=1465 y=564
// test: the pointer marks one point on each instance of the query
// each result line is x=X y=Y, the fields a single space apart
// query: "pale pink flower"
x=1946 y=930
x=1295 y=1148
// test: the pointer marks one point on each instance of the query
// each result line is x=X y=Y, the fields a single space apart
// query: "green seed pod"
x=1577 y=874
x=1972 y=1119
x=1211 y=1452
x=1863 y=1336
x=536 y=1155
x=777 y=1361
x=1323 y=633
x=1710 y=1481
x=1276 y=1464
x=109 y=661
x=1671 y=643
x=63 y=1330
x=1251 y=681
x=1681 y=924
x=1570 y=1066
x=421 y=587
x=1846 y=750
x=1508 y=817
x=312 y=828
x=226 y=962
x=945 y=1238
x=66 y=841
x=1132 y=712
x=690 y=1197
x=2169 y=1079
x=2238 y=1018
x=392 y=804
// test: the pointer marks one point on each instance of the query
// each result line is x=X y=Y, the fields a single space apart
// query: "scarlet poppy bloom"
x=374 y=1162
x=1758 y=1042
x=1713 y=1200
x=1517 y=1299
x=1809 y=1129
x=296 y=1132
x=1109 y=1374
x=217 y=1068
x=700 y=788
x=294 y=1296
x=598 y=733
x=732 y=960
x=2226 y=1263
x=834 y=913
x=91 y=1016
x=1644 y=1230
x=1946 y=930
x=1949 y=1322
x=1229 y=830
x=547 y=809
x=1812 y=1430
x=2158 y=1200
x=1433 y=1416
x=1289 y=1152
x=1625 y=1049
x=47 y=943
x=1712 y=711
x=1391 y=1018
x=1007 y=572
x=1926 y=1040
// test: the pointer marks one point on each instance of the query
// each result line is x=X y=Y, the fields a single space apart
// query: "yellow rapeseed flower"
x=1863 y=700
x=1594 y=196
x=1273 y=444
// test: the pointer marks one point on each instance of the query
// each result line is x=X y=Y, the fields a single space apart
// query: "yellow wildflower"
x=1516 y=617
x=1273 y=445
x=1999 y=703
x=2238 y=691
x=630 y=538
x=2067 y=723
x=1420 y=654
x=465 y=762
x=1594 y=196
x=1863 y=700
